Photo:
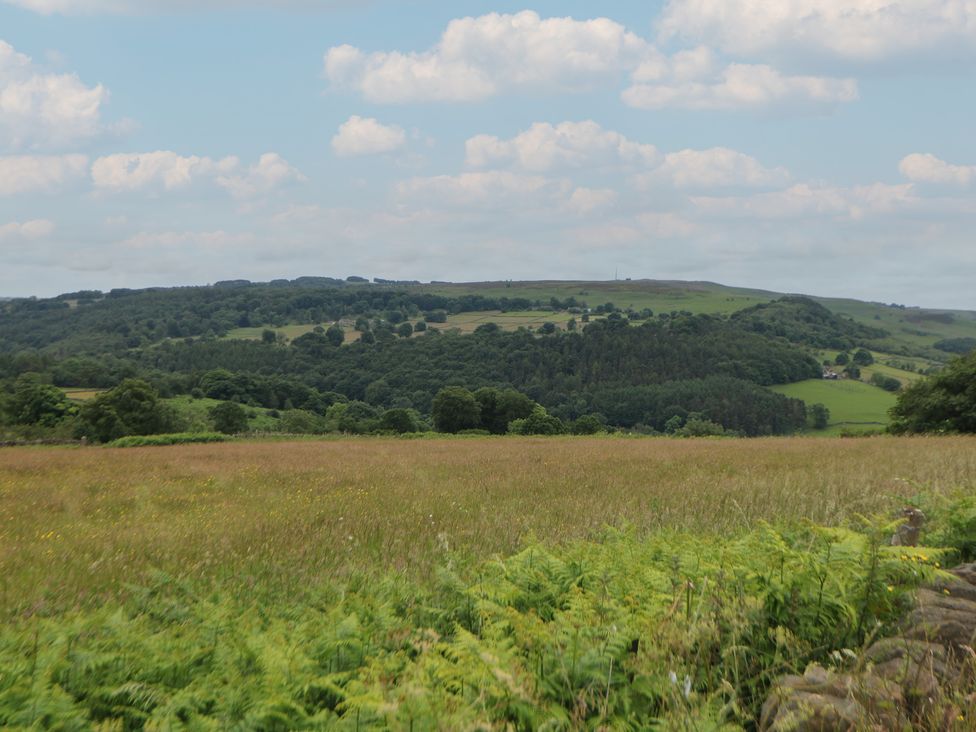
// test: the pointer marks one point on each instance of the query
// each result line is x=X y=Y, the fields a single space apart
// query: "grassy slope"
x=852 y=404
x=195 y=413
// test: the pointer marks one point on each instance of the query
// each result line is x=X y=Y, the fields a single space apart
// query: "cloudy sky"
x=819 y=146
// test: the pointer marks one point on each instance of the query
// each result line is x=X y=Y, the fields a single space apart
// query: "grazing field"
x=369 y=584
x=853 y=405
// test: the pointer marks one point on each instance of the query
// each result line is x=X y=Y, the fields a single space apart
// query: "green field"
x=853 y=405
x=194 y=413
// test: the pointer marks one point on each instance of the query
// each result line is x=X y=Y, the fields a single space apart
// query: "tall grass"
x=78 y=525
x=451 y=584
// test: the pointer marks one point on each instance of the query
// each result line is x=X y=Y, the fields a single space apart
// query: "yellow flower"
x=891 y=588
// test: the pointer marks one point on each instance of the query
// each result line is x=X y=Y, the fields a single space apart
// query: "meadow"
x=854 y=405
x=80 y=523
x=466 y=583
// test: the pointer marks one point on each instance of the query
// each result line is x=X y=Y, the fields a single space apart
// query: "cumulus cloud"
x=586 y=146
x=694 y=79
x=39 y=173
x=585 y=201
x=477 y=58
x=489 y=189
x=40 y=110
x=166 y=170
x=367 y=136
x=865 y=30
x=808 y=200
x=544 y=147
x=26 y=231
x=717 y=167
x=927 y=168
x=270 y=172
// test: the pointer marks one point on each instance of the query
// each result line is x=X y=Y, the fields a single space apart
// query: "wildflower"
x=687 y=687
x=673 y=677
x=891 y=588
x=945 y=591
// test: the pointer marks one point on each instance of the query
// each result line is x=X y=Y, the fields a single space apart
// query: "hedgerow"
x=178 y=438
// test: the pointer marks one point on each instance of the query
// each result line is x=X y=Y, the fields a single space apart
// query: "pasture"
x=853 y=405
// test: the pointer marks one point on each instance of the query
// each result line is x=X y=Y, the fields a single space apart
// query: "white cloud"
x=489 y=189
x=367 y=136
x=28 y=230
x=189 y=241
x=163 y=168
x=38 y=109
x=718 y=167
x=166 y=170
x=927 y=168
x=585 y=201
x=477 y=58
x=39 y=173
x=862 y=30
x=271 y=172
x=806 y=200
x=694 y=79
x=586 y=146
x=545 y=147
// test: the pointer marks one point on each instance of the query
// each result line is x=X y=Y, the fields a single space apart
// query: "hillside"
x=645 y=356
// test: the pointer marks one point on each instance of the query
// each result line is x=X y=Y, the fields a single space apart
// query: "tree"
x=34 y=402
x=131 y=408
x=335 y=335
x=945 y=402
x=842 y=359
x=547 y=328
x=588 y=424
x=819 y=416
x=405 y=330
x=421 y=326
x=455 y=409
x=269 y=336
x=499 y=407
x=888 y=383
x=863 y=357
x=540 y=422
x=399 y=420
x=229 y=418
x=301 y=422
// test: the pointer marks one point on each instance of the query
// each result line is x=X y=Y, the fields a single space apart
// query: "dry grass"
x=77 y=524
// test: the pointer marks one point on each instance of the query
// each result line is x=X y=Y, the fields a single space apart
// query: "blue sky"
x=819 y=146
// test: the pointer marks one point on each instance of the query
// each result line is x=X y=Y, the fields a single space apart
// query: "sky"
x=817 y=146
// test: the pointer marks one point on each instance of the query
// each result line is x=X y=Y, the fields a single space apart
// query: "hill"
x=638 y=355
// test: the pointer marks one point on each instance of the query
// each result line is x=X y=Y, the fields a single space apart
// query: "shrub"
x=178 y=438
x=229 y=418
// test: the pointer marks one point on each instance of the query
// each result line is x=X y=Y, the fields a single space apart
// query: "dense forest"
x=614 y=369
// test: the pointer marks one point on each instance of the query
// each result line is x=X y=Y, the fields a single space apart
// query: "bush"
x=400 y=421
x=588 y=424
x=888 y=383
x=229 y=418
x=178 y=438
x=540 y=422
